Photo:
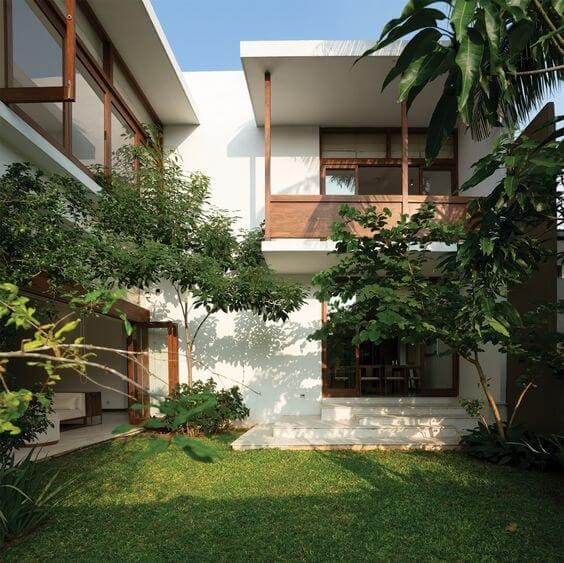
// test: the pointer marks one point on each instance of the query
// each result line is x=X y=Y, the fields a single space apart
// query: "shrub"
x=521 y=448
x=219 y=418
x=31 y=423
x=28 y=496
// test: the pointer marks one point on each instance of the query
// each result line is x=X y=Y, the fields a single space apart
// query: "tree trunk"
x=188 y=355
x=489 y=397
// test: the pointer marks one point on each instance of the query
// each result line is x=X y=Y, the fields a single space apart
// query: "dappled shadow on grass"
x=268 y=505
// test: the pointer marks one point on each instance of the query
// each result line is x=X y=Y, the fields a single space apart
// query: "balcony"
x=311 y=216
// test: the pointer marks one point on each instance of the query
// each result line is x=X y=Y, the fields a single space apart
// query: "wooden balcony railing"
x=311 y=216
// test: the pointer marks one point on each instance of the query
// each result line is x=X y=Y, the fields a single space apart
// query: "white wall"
x=276 y=367
x=227 y=146
x=8 y=156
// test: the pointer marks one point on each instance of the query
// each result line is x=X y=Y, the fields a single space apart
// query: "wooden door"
x=152 y=365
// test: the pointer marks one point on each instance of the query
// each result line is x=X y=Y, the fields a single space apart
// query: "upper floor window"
x=107 y=108
x=368 y=162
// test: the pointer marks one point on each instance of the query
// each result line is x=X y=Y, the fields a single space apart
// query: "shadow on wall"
x=276 y=366
x=295 y=153
x=273 y=363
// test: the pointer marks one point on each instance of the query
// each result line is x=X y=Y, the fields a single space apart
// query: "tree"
x=166 y=230
x=499 y=58
x=380 y=285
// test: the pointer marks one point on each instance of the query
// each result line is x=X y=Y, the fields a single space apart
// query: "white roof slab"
x=137 y=34
x=317 y=83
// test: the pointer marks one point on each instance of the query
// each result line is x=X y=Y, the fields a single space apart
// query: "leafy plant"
x=499 y=58
x=28 y=496
x=168 y=231
x=381 y=285
x=32 y=422
x=229 y=406
x=520 y=448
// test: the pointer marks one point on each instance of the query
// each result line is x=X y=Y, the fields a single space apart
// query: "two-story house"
x=299 y=131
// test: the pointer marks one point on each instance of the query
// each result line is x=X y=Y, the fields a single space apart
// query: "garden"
x=294 y=505
x=176 y=490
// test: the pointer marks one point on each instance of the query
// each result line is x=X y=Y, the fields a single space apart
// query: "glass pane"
x=122 y=134
x=437 y=182
x=384 y=180
x=353 y=145
x=85 y=31
x=437 y=370
x=158 y=362
x=340 y=372
x=48 y=117
x=38 y=54
x=340 y=182
x=417 y=142
x=88 y=119
x=126 y=91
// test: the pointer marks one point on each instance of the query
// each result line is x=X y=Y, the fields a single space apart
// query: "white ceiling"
x=317 y=83
x=137 y=34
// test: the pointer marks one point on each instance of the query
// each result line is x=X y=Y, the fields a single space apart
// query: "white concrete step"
x=313 y=429
x=365 y=407
x=261 y=437
x=460 y=421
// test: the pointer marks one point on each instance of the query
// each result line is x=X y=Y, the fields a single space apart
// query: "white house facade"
x=288 y=139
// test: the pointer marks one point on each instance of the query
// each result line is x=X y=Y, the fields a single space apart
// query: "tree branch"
x=539 y=70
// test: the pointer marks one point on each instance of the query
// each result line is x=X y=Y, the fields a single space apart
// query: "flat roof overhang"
x=309 y=256
x=137 y=34
x=317 y=83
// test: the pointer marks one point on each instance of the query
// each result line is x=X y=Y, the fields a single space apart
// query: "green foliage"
x=169 y=231
x=500 y=59
x=228 y=407
x=520 y=448
x=28 y=497
x=32 y=422
x=41 y=219
x=381 y=284
x=45 y=346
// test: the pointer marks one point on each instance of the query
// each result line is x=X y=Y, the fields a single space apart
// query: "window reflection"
x=340 y=182
x=48 y=117
x=37 y=47
x=122 y=134
x=88 y=120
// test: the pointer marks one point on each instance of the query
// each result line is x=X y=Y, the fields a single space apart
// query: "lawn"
x=297 y=505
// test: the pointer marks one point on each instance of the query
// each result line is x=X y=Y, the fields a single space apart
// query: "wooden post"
x=267 y=152
x=70 y=52
x=404 y=159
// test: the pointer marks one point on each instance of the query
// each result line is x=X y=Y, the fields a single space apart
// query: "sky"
x=205 y=34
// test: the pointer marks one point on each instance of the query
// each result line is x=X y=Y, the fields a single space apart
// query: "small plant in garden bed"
x=521 y=448
x=228 y=408
x=28 y=496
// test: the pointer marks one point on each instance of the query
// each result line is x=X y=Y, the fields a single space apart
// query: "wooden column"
x=267 y=152
x=70 y=52
x=404 y=159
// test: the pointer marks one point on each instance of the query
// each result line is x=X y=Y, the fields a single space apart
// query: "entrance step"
x=460 y=421
x=350 y=409
x=313 y=429
x=366 y=423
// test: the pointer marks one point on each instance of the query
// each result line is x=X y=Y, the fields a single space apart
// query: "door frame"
x=138 y=342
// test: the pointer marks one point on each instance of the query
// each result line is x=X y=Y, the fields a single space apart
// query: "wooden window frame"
x=64 y=24
x=439 y=164
x=102 y=75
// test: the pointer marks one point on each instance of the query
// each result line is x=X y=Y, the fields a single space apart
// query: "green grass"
x=296 y=505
